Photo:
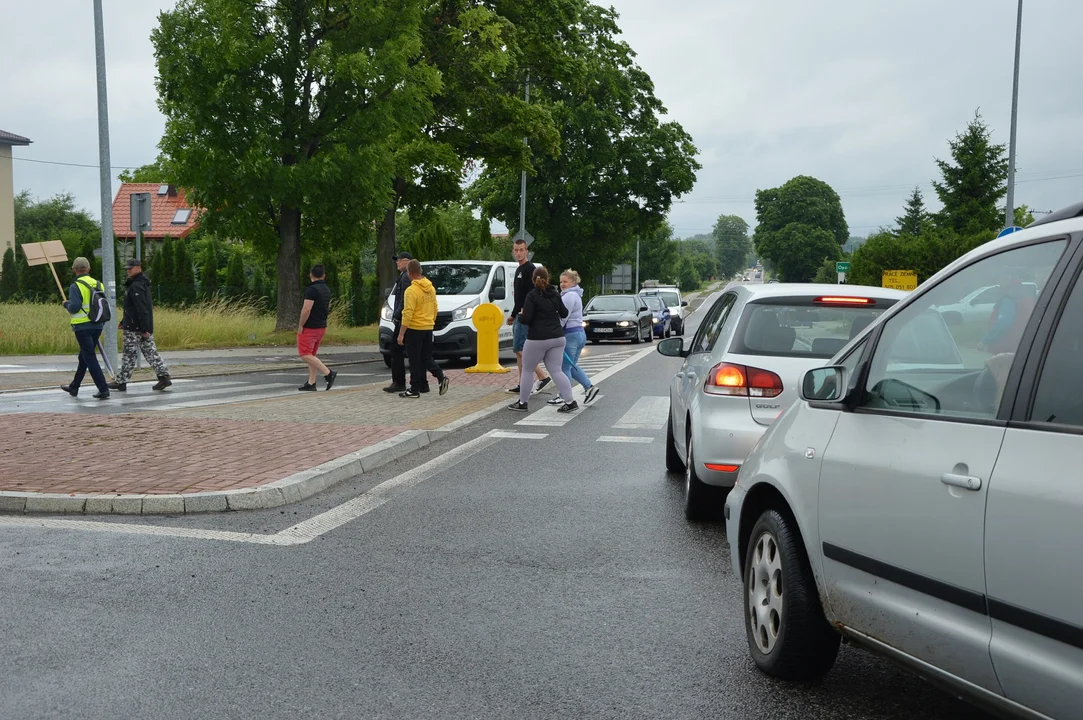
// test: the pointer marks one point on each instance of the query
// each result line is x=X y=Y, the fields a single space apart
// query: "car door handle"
x=966 y=482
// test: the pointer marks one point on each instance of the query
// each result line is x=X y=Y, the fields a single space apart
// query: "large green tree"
x=483 y=50
x=973 y=181
x=800 y=225
x=54 y=219
x=280 y=117
x=9 y=276
x=620 y=166
x=732 y=245
x=659 y=255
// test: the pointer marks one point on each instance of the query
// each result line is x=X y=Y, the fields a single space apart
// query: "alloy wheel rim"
x=765 y=592
x=688 y=470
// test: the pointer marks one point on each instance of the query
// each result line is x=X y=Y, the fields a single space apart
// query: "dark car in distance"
x=618 y=317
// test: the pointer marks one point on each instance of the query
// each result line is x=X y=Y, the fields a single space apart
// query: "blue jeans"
x=574 y=342
x=518 y=335
x=87 y=340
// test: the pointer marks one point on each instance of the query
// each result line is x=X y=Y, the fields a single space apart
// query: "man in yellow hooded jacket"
x=418 y=320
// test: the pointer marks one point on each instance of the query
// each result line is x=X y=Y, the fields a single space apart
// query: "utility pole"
x=522 y=182
x=1009 y=206
x=109 y=278
x=637 y=266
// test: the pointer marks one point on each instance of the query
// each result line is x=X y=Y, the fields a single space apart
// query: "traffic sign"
x=525 y=236
x=1008 y=231
x=842 y=267
x=899 y=279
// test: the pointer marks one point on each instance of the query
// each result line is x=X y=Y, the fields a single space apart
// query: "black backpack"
x=99 y=304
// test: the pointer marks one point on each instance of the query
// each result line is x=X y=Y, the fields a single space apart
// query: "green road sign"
x=842 y=267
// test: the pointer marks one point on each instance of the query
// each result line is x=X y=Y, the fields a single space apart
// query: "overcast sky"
x=860 y=94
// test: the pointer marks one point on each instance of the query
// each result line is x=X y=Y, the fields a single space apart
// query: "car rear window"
x=792 y=327
x=613 y=303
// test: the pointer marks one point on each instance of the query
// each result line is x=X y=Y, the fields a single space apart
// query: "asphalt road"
x=541 y=574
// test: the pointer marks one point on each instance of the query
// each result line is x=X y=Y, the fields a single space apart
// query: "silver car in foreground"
x=924 y=498
x=742 y=368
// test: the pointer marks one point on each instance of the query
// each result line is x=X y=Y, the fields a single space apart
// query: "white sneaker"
x=558 y=400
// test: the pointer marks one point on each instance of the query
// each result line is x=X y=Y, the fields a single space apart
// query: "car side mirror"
x=672 y=347
x=643 y=308
x=684 y=303
x=952 y=317
x=826 y=384
x=498 y=293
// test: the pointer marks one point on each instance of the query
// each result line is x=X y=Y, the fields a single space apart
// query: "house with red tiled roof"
x=170 y=212
x=7 y=189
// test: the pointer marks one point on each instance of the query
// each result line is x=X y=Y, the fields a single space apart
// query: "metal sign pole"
x=104 y=171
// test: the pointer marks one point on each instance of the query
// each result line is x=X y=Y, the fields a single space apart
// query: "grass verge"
x=39 y=329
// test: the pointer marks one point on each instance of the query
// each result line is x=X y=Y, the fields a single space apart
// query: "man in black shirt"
x=523 y=284
x=398 y=357
x=312 y=326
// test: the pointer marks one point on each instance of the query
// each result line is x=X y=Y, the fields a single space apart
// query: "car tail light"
x=742 y=381
x=844 y=300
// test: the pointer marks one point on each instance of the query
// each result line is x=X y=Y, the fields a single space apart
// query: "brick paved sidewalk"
x=224 y=447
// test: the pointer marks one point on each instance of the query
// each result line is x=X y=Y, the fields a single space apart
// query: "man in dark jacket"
x=138 y=329
x=398 y=356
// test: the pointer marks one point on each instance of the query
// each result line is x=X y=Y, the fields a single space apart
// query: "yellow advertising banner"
x=900 y=279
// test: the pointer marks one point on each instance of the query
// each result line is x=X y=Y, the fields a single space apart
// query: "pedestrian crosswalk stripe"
x=511 y=434
x=625 y=439
x=38 y=397
x=648 y=413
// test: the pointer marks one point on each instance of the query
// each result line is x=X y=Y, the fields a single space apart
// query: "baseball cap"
x=403 y=256
x=133 y=263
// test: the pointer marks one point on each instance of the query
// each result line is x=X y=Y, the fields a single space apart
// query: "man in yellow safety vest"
x=86 y=331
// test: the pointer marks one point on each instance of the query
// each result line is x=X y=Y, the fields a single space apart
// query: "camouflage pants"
x=133 y=343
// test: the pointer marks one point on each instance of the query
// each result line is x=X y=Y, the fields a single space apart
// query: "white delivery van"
x=671 y=296
x=461 y=285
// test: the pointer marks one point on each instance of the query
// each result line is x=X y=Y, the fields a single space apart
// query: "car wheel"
x=788 y=635
x=639 y=336
x=595 y=342
x=700 y=499
x=387 y=360
x=679 y=329
x=650 y=334
x=673 y=460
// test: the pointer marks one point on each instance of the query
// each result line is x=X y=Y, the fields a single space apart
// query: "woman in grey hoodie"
x=574 y=335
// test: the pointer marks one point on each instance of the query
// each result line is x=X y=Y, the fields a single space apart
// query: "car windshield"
x=802 y=328
x=611 y=303
x=668 y=297
x=457 y=279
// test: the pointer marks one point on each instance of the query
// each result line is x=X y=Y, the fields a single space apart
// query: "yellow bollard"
x=487 y=320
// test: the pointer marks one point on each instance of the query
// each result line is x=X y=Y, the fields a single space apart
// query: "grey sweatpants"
x=552 y=353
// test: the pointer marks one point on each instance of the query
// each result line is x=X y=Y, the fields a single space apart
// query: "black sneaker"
x=514 y=390
x=118 y=386
x=102 y=394
x=518 y=406
x=69 y=390
x=540 y=385
x=568 y=407
x=592 y=393
x=444 y=385
x=330 y=378
x=410 y=394
x=394 y=388
x=308 y=387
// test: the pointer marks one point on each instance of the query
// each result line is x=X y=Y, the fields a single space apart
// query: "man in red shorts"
x=312 y=326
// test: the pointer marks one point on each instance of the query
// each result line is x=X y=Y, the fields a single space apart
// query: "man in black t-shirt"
x=522 y=285
x=312 y=326
x=398 y=357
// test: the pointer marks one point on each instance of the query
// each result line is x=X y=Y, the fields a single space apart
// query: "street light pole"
x=1009 y=206
x=108 y=263
x=522 y=186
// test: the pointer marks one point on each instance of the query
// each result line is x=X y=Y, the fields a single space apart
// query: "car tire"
x=387 y=360
x=788 y=635
x=679 y=329
x=595 y=342
x=674 y=464
x=700 y=499
x=639 y=336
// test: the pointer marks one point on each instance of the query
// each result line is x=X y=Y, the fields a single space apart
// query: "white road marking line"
x=625 y=439
x=243 y=397
x=648 y=413
x=51 y=394
x=518 y=435
x=298 y=534
x=117 y=397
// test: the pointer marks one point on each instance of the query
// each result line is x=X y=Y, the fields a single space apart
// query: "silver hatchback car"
x=924 y=498
x=742 y=369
